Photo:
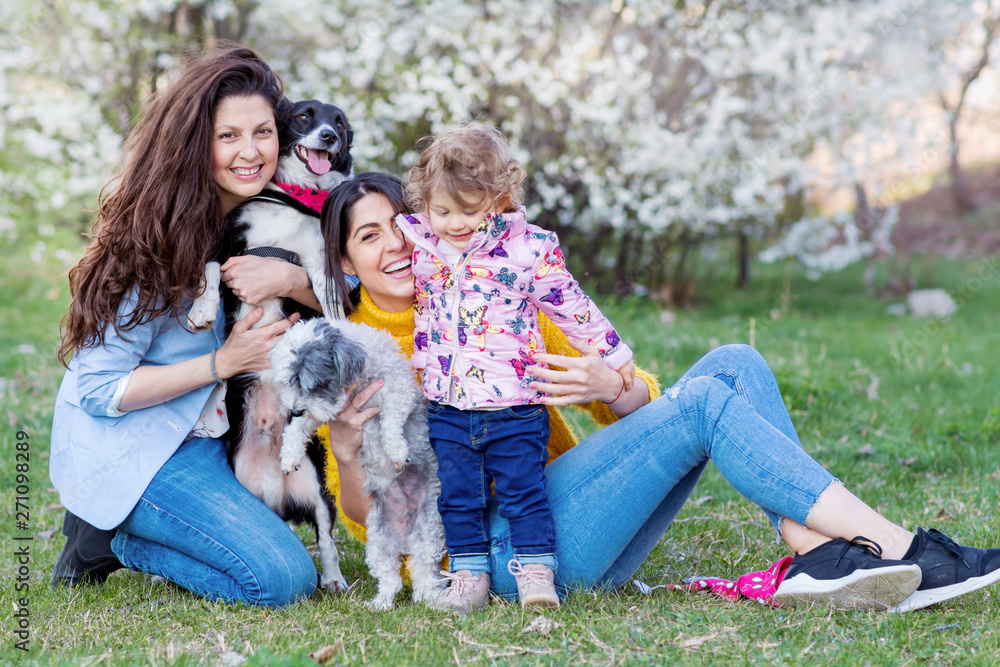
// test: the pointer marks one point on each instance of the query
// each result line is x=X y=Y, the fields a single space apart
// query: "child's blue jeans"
x=506 y=447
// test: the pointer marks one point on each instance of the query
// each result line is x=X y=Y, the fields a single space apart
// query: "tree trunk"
x=864 y=217
x=681 y=283
x=865 y=220
x=623 y=277
x=959 y=186
x=592 y=254
x=743 y=258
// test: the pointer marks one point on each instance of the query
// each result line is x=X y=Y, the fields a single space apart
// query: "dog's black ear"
x=346 y=162
x=329 y=360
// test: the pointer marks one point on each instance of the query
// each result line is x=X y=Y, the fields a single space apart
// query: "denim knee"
x=704 y=400
x=737 y=356
x=279 y=580
x=287 y=579
x=700 y=392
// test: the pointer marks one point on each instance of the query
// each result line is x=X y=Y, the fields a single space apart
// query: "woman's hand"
x=244 y=351
x=346 y=429
x=248 y=350
x=587 y=378
x=346 y=436
x=256 y=279
x=584 y=379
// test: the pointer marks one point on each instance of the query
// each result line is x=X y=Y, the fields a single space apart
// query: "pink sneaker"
x=466 y=593
x=535 y=584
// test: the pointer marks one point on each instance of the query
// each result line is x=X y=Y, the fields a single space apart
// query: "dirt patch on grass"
x=930 y=224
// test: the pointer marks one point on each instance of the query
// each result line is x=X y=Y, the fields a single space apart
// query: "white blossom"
x=642 y=115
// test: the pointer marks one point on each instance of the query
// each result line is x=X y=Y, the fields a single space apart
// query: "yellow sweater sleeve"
x=333 y=485
x=561 y=435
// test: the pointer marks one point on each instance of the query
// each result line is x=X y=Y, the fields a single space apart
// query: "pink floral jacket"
x=477 y=322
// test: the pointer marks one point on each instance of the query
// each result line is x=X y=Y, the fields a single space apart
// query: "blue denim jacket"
x=102 y=459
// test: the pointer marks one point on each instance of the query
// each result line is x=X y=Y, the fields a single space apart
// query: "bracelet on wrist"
x=211 y=366
x=620 y=391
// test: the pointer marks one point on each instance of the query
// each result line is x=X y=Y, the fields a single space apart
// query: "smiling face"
x=379 y=255
x=244 y=148
x=453 y=221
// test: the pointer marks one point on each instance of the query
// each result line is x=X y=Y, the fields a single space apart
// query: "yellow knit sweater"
x=400 y=326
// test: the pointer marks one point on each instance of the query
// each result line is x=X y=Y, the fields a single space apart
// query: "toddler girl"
x=482 y=273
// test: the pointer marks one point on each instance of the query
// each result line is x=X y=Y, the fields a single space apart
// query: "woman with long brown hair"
x=136 y=442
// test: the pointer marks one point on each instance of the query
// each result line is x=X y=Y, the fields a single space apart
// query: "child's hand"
x=628 y=374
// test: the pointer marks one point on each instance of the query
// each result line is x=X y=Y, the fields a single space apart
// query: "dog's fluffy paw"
x=334 y=584
x=380 y=603
x=290 y=465
x=203 y=311
x=292 y=451
x=206 y=306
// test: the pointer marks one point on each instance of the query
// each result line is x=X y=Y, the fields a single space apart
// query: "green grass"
x=932 y=422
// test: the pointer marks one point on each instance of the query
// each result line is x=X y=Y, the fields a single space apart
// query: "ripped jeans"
x=614 y=495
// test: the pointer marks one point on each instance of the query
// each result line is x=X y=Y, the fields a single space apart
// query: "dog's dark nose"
x=328 y=135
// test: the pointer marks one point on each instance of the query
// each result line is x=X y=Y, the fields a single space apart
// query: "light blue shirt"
x=102 y=460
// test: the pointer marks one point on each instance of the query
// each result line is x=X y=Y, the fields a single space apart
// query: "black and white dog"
x=313 y=364
x=283 y=223
x=314 y=158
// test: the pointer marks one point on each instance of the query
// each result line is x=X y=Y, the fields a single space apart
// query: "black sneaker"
x=87 y=555
x=949 y=569
x=849 y=575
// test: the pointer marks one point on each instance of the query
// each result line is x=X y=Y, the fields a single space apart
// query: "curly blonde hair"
x=470 y=158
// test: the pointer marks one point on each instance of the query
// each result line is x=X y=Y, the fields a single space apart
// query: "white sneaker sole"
x=921 y=599
x=863 y=590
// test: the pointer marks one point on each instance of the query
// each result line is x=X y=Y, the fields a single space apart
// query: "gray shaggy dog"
x=313 y=364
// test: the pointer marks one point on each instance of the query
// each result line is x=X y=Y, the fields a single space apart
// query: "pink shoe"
x=466 y=593
x=535 y=584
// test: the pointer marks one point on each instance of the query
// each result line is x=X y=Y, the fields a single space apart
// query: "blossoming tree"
x=650 y=130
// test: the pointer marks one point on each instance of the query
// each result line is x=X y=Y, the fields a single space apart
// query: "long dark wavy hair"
x=160 y=220
x=335 y=221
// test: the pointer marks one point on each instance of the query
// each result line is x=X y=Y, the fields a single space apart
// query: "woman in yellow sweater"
x=614 y=494
x=384 y=300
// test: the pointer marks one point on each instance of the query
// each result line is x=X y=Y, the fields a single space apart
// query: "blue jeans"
x=197 y=526
x=614 y=495
x=506 y=447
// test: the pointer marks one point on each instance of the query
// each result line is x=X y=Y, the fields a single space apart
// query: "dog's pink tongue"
x=318 y=161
